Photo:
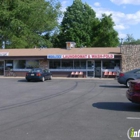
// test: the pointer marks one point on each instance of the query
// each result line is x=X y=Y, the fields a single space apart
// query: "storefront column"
x=101 y=68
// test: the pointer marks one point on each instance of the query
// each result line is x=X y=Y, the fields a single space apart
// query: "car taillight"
x=121 y=74
x=38 y=74
x=137 y=86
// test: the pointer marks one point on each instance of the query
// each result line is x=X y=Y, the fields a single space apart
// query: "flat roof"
x=47 y=51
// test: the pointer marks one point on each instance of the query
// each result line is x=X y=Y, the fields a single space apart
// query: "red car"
x=133 y=92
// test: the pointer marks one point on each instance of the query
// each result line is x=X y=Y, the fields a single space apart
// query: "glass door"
x=98 y=68
x=90 y=68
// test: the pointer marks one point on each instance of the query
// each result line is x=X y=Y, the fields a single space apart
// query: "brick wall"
x=130 y=57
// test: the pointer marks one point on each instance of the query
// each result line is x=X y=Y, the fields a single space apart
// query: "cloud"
x=97 y=4
x=64 y=5
x=120 y=27
x=119 y=2
x=122 y=35
x=123 y=21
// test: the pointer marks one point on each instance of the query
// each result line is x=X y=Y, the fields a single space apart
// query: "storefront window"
x=68 y=64
x=32 y=64
x=20 y=64
x=76 y=64
x=1 y=67
x=8 y=64
x=54 y=64
x=83 y=64
x=111 y=64
x=79 y=64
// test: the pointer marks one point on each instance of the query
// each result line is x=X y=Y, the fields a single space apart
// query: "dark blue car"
x=38 y=74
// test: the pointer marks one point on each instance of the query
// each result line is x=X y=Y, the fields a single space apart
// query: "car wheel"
x=43 y=79
x=127 y=82
x=50 y=78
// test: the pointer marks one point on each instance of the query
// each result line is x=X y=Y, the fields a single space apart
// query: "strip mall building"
x=93 y=62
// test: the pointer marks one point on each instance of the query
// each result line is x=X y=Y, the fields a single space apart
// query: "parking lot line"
x=133 y=118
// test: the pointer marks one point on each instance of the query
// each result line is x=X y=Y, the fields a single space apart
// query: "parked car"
x=133 y=92
x=124 y=78
x=38 y=74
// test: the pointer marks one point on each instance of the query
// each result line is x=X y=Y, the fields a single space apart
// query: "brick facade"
x=130 y=57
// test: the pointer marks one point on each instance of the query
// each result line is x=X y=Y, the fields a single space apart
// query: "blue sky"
x=125 y=14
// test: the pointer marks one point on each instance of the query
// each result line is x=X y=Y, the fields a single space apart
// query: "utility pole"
x=121 y=43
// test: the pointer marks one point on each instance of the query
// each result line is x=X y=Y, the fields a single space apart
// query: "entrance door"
x=90 y=68
x=98 y=68
x=1 y=67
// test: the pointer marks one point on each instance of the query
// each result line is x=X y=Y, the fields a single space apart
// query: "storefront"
x=93 y=62
x=92 y=65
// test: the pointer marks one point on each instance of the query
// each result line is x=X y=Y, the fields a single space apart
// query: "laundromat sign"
x=81 y=56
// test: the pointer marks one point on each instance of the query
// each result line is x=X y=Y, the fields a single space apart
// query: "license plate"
x=32 y=74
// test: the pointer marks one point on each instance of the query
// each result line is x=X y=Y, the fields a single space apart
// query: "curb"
x=68 y=78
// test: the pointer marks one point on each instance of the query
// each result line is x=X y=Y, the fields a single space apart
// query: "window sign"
x=32 y=64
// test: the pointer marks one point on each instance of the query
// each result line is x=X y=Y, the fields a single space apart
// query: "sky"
x=125 y=14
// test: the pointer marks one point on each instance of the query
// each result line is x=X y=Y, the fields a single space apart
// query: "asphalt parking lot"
x=65 y=109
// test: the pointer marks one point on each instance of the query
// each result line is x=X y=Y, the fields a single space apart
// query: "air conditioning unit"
x=70 y=45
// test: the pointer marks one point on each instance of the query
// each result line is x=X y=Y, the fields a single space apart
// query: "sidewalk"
x=88 y=78
x=68 y=78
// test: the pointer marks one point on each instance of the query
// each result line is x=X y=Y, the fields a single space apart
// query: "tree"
x=77 y=25
x=130 y=40
x=138 y=42
x=105 y=35
x=23 y=22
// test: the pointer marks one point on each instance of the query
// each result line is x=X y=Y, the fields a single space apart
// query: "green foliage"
x=80 y=25
x=105 y=35
x=130 y=40
x=77 y=25
x=23 y=21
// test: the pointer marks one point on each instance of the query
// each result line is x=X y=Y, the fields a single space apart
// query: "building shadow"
x=118 y=106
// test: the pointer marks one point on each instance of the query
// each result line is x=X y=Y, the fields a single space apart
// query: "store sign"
x=81 y=56
x=54 y=56
x=88 y=56
x=74 y=56
x=102 y=56
x=4 y=53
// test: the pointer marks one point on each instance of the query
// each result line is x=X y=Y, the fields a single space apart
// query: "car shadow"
x=114 y=86
x=32 y=81
x=22 y=80
x=118 y=106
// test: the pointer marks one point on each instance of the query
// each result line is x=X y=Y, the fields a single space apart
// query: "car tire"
x=127 y=82
x=43 y=79
x=50 y=78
